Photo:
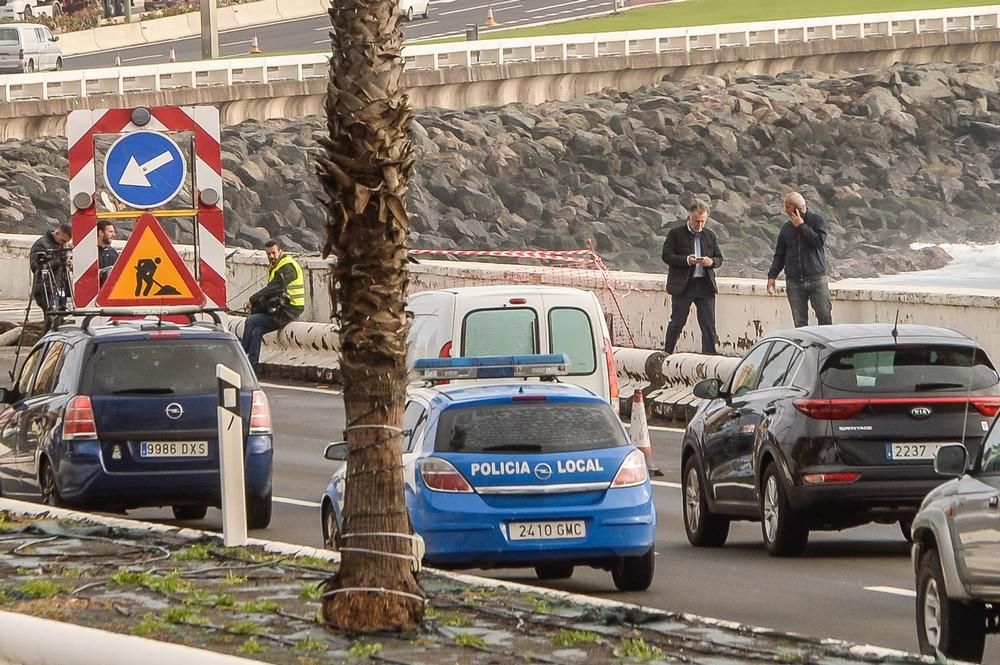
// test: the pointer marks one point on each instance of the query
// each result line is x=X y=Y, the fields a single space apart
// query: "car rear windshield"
x=910 y=368
x=161 y=366
x=8 y=36
x=500 y=332
x=533 y=427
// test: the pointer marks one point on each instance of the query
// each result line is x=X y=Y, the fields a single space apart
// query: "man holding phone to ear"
x=801 y=252
x=692 y=254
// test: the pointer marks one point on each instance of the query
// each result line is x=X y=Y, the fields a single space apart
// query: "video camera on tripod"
x=51 y=277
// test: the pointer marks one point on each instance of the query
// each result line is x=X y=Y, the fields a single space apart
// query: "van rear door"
x=10 y=46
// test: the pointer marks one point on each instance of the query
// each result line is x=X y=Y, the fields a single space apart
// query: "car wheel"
x=258 y=511
x=783 y=531
x=190 y=512
x=427 y=10
x=957 y=630
x=554 y=571
x=409 y=13
x=331 y=532
x=48 y=486
x=634 y=573
x=59 y=64
x=703 y=528
x=906 y=528
x=56 y=9
x=30 y=67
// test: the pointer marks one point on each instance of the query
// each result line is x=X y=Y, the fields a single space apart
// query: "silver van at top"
x=28 y=47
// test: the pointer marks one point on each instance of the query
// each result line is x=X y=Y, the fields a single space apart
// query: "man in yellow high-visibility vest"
x=274 y=306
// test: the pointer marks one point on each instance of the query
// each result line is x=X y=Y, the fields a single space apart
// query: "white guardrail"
x=154 y=78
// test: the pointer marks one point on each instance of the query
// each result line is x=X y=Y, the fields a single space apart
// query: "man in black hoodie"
x=801 y=252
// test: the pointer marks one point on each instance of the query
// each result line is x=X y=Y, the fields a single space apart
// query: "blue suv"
x=124 y=415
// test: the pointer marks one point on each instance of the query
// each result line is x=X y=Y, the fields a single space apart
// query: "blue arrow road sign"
x=144 y=169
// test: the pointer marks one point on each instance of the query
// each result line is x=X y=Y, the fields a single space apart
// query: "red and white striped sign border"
x=203 y=122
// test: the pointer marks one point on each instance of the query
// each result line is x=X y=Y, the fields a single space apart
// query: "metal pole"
x=209 y=29
x=128 y=11
x=234 y=511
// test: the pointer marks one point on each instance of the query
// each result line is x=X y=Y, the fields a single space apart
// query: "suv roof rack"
x=58 y=317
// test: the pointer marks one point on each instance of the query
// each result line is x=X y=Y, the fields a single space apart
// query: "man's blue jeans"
x=802 y=292
x=256 y=326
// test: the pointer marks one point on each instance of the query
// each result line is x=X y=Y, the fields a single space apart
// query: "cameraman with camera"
x=49 y=261
x=276 y=305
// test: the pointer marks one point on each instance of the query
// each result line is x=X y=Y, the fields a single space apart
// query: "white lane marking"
x=659 y=428
x=142 y=57
x=561 y=4
x=423 y=23
x=242 y=41
x=304 y=389
x=664 y=483
x=892 y=590
x=474 y=7
x=296 y=502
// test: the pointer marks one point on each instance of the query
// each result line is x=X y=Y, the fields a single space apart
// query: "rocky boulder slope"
x=893 y=156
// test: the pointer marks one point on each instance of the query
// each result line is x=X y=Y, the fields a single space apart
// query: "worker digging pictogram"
x=149 y=272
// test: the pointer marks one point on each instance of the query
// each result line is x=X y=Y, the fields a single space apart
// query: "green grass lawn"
x=712 y=12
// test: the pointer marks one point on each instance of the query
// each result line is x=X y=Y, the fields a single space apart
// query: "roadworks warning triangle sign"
x=149 y=272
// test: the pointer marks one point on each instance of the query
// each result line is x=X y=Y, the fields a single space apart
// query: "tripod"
x=53 y=298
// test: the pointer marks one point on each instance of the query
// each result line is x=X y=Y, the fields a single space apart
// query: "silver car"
x=28 y=47
x=956 y=554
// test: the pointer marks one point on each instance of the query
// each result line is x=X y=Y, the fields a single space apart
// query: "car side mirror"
x=950 y=460
x=707 y=389
x=54 y=38
x=336 y=451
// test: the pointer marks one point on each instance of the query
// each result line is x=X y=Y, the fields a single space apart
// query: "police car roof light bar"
x=492 y=367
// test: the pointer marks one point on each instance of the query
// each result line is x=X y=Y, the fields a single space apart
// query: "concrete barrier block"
x=256 y=13
x=75 y=43
x=118 y=36
x=168 y=28
x=226 y=18
x=302 y=8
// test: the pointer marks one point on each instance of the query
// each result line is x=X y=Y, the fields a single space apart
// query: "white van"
x=517 y=319
x=28 y=47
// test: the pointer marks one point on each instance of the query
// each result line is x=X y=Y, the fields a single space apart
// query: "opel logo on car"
x=174 y=410
x=920 y=411
x=543 y=471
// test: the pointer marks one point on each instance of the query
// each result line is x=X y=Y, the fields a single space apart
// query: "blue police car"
x=517 y=473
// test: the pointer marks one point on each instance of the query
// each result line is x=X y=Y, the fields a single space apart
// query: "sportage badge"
x=920 y=411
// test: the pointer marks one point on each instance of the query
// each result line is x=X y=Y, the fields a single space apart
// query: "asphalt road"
x=447 y=18
x=855 y=585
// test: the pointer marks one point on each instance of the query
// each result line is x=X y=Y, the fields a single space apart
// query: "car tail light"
x=518 y=301
x=830 y=409
x=441 y=476
x=830 y=478
x=609 y=359
x=632 y=472
x=445 y=352
x=20 y=54
x=164 y=334
x=988 y=406
x=79 y=423
x=260 y=414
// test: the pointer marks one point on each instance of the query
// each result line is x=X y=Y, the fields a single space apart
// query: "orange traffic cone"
x=639 y=432
x=490 y=21
x=254 y=46
x=173 y=56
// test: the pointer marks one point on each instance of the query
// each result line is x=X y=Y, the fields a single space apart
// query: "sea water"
x=971 y=267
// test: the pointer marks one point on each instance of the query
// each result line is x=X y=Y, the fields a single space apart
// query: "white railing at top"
x=155 y=78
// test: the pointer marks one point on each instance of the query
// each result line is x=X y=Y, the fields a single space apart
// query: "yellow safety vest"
x=296 y=289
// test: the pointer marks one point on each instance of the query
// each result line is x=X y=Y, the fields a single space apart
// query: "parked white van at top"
x=517 y=319
x=28 y=47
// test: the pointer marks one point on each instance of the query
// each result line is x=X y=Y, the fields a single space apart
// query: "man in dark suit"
x=692 y=254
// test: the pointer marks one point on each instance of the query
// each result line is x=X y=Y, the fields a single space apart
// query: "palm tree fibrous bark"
x=364 y=172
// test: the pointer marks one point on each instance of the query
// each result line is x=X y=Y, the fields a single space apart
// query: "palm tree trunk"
x=365 y=172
